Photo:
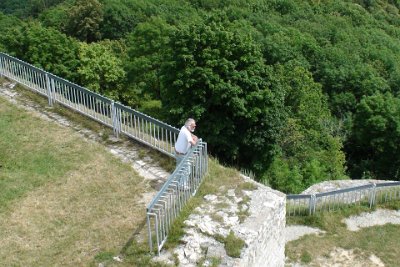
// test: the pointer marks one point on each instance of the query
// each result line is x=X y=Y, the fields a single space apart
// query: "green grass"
x=27 y=159
x=233 y=244
x=64 y=201
x=381 y=241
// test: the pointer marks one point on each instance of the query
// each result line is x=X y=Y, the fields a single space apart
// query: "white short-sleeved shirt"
x=183 y=144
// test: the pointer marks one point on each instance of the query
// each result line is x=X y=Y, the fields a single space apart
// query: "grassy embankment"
x=64 y=200
x=68 y=201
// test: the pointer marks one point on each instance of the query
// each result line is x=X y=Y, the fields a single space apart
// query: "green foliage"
x=151 y=107
x=376 y=137
x=118 y=19
x=100 y=69
x=12 y=6
x=7 y=22
x=263 y=78
x=84 y=20
x=216 y=75
x=56 y=17
x=310 y=152
x=26 y=8
x=146 y=47
x=43 y=47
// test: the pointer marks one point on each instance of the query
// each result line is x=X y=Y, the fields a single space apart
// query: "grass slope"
x=64 y=201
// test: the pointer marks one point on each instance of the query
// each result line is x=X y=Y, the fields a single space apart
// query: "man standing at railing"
x=186 y=139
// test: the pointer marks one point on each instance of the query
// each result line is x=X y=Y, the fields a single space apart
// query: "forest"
x=297 y=91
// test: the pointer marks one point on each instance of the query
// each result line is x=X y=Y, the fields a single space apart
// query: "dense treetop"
x=297 y=91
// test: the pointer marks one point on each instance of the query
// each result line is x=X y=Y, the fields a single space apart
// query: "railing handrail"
x=367 y=192
x=344 y=190
x=170 y=178
x=55 y=77
x=86 y=91
x=387 y=184
x=147 y=117
x=24 y=63
x=298 y=196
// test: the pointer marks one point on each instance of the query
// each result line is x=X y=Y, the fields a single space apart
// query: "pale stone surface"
x=368 y=219
x=262 y=231
x=340 y=257
x=293 y=232
x=328 y=186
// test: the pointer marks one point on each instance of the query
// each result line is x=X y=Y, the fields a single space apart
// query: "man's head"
x=190 y=124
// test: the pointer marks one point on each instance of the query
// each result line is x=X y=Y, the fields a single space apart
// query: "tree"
x=217 y=76
x=7 y=24
x=45 y=48
x=56 y=17
x=100 y=69
x=310 y=147
x=146 y=48
x=84 y=20
x=376 y=138
x=118 y=20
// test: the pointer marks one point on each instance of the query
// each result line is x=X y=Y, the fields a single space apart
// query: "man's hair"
x=189 y=122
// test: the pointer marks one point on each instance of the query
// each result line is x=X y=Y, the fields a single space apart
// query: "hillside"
x=71 y=194
x=225 y=211
x=219 y=206
x=298 y=92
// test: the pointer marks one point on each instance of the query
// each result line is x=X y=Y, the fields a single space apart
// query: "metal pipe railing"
x=120 y=118
x=370 y=194
x=171 y=199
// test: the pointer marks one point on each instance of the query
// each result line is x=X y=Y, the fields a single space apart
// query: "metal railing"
x=370 y=194
x=172 y=197
x=180 y=185
x=121 y=119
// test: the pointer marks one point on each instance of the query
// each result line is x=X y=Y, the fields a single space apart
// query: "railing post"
x=149 y=231
x=115 y=119
x=1 y=66
x=49 y=91
x=312 y=204
x=372 y=195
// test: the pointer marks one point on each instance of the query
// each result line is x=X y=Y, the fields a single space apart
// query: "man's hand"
x=195 y=139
